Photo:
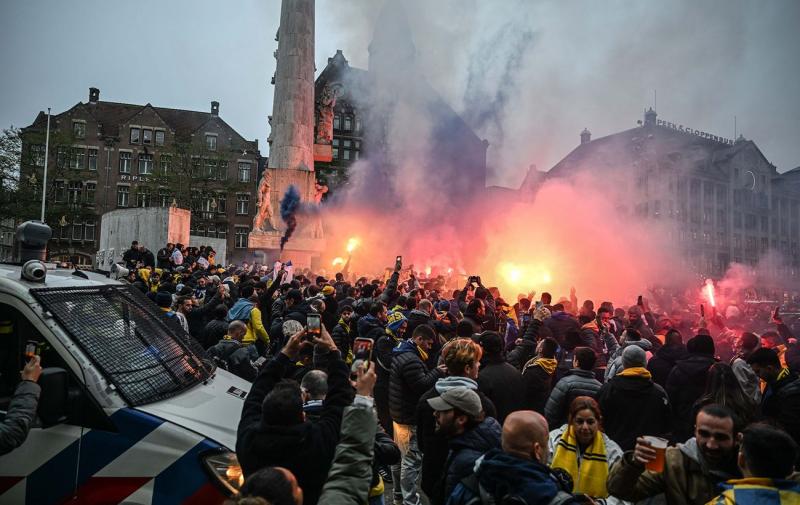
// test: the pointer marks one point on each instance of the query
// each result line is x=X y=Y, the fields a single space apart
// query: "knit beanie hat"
x=701 y=344
x=163 y=299
x=633 y=356
x=395 y=321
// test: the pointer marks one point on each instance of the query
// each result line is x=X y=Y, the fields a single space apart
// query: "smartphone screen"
x=313 y=323
x=639 y=301
x=398 y=259
x=539 y=304
x=702 y=310
x=362 y=348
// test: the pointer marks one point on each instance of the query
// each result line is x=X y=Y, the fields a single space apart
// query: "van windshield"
x=128 y=339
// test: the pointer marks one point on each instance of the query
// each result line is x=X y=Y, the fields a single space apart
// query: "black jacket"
x=501 y=382
x=632 y=407
x=662 y=362
x=537 y=386
x=237 y=358
x=685 y=384
x=163 y=256
x=416 y=318
x=342 y=338
x=465 y=449
x=408 y=380
x=559 y=324
x=147 y=258
x=214 y=331
x=306 y=449
x=781 y=403
x=434 y=447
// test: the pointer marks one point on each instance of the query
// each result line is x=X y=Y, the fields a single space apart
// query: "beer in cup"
x=660 y=446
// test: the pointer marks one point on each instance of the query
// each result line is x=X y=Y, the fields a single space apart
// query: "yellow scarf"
x=589 y=473
x=548 y=364
x=422 y=354
x=636 y=371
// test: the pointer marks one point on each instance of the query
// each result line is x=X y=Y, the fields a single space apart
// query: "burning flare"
x=709 y=289
x=337 y=261
x=352 y=244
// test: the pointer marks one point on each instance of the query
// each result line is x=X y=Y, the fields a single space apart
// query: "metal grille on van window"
x=129 y=339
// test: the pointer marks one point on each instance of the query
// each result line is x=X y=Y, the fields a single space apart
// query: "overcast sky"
x=530 y=74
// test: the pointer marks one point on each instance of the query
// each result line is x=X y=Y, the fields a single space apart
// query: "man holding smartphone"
x=22 y=409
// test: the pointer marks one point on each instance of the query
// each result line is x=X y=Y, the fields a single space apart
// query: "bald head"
x=237 y=330
x=525 y=435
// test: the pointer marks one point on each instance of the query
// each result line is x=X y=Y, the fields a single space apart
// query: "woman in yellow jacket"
x=247 y=310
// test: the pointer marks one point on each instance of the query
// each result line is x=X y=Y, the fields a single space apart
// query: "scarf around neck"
x=589 y=470
x=548 y=364
x=636 y=371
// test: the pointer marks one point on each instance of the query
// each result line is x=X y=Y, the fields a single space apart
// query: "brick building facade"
x=106 y=155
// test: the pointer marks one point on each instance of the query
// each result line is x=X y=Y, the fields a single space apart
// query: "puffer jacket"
x=408 y=381
x=466 y=448
x=20 y=415
x=416 y=318
x=686 y=479
x=559 y=323
x=576 y=383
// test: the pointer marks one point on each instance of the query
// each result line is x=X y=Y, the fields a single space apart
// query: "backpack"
x=470 y=492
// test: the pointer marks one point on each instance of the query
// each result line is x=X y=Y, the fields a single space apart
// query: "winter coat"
x=662 y=362
x=686 y=479
x=214 y=331
x=615 y=362
x=341 y=337
x=465 y=449
x=238 y=358
x=603 y=344
x=781 y=403
x=520 y=355
x=646 y=333
x=537 y=384
x=434 y=446
x=147 y=258
x=408 y=381
x=758 y=491
x=19 y=416
x=633 y=406
x=748 y=380
x=500 y=475
x=576 y=383
x=345 y=484
x=613 y=450
x=559 y=323
x=417 y=318
x=306 y=449
x=163 y=256
x=501 y=383
x=685 y=384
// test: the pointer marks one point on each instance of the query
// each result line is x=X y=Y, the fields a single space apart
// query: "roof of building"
x=110 y=116
x=665 y=146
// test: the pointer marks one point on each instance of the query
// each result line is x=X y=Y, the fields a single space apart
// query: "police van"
x=131 y=411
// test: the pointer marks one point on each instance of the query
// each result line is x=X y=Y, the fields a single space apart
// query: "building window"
x=195 y=167
x=165 y=161
x=91 y=189
x=145 y=164
x=211 y=142
x=92 y=159
x=211 y=170
x=77 y=231
x=335 y=149
x=123 y=192
x=142 y=197
x=222 y=233
x=37 y=155
x=163 y=197
x=337 y=122
x=79 y=129
x=147 y=136
x=60 y=191
x=221 y=203
x=74 y=192
x=135 y=135
x=125 y=163
x=222 y=170
x=89 y=231
x=244 y=172
x=159 y=137
x=240 y=241
x=348 y=123
x=77 y=158
x=61 y=157
x=242 y=204
x=212 y=231
x=346 y=154
x=358 y=124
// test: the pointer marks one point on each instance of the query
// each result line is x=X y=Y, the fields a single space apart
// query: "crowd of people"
x=412 y=392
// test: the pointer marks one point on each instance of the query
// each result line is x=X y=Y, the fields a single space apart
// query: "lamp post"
x=46 y=156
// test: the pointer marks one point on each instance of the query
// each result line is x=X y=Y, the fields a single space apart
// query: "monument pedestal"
x=302 y=250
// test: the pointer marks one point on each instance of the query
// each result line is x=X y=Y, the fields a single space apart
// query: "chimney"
x=94 y=95
x=586 y=136
x=215 y=108
x=650 y=117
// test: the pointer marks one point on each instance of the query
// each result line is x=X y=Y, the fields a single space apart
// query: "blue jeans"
x=405 y=475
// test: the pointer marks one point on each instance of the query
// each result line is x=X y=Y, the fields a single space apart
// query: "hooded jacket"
x=632 y=406
x=415 y=318
x=603 y=344
x=306 y=449
x=434 y=447
x=465 y=449
x=685 y=384
x=615 y=362
x=662 y=362
x=686 y=479
x=408 y=381
x=502 y=475
x=781 y=403
x=501 y=383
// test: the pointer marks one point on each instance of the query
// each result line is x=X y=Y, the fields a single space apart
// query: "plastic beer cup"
x=660 y=446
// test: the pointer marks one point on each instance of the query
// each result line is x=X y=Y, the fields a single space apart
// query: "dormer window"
x=135 y=135
x=79 y=129
x=147 y=136
x=211 y=142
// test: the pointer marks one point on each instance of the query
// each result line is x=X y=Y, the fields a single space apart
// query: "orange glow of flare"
x=352 y=244
x=427 y=271
x=709 y=288
x=337 y=261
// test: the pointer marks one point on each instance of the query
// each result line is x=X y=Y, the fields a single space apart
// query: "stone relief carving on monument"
x=327 y=102
x=263 y=219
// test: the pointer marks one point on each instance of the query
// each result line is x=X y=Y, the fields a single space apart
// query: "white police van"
x=130 y=410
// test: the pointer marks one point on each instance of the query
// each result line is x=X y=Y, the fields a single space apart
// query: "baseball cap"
x=461 y=398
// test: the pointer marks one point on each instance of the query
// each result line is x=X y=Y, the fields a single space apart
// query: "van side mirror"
x=53 y=399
